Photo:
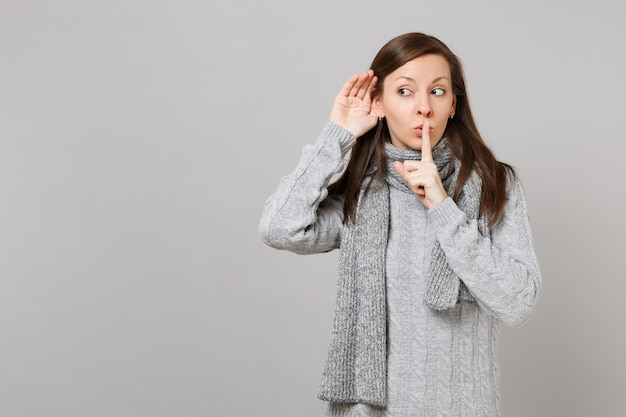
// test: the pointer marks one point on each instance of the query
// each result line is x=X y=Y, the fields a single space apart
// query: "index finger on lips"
x=427 y=154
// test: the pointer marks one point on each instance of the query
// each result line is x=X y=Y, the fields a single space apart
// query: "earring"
x=452 y=116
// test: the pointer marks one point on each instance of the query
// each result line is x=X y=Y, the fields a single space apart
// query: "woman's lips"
x=418 y=130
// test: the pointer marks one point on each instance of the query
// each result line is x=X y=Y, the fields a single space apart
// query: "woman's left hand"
x=422 y=176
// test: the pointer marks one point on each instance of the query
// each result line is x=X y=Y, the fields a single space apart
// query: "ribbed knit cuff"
x=445 y=214
x=349 y=410
x=340 y=413
x=335 y=132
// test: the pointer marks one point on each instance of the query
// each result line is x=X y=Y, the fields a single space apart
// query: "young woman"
x=436 y=248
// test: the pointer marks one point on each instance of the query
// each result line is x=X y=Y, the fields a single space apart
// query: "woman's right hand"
x=352 y=108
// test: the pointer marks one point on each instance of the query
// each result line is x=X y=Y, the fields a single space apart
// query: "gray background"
x=140 y=139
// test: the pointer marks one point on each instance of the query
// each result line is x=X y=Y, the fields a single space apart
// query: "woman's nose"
x=423 y=105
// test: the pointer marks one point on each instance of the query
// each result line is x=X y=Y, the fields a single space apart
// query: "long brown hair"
x=465 y=142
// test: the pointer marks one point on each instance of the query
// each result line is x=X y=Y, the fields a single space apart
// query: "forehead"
x=422 y=69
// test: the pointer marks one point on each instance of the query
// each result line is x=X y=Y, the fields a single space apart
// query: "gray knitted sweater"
x=439 y=363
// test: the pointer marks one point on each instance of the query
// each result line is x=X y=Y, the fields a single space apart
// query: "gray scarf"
x=356 y=367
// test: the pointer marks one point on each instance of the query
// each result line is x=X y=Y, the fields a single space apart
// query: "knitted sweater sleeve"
x=298 y=216
x=500 y=270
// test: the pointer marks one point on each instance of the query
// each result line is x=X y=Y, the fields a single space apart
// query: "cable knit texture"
x=355 y=370
x=438 y=363
x=443 y=289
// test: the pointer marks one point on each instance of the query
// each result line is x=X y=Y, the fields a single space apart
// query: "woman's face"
x=418 y=91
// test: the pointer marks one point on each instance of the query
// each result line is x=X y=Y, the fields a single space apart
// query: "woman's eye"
x=404 y=91
x=438 y=91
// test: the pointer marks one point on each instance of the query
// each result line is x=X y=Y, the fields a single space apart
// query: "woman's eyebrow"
x=406 y=77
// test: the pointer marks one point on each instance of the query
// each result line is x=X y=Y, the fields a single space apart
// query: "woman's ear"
x=377 y=106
